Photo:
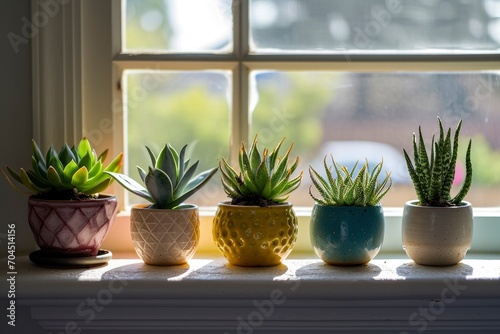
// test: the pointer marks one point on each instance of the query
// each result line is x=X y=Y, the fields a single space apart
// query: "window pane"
x=179 y=108
x=336 y=26
x=373 y=115
x=172 y=26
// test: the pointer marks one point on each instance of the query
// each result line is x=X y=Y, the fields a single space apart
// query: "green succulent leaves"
x=264 y=178
x=76 y=169
x=347 y=189
x=169 y=180
x=433 y=175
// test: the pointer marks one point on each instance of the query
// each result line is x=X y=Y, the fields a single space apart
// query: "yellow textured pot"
x=254 y=236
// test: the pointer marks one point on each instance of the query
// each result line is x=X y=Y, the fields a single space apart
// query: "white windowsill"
x=389 y=295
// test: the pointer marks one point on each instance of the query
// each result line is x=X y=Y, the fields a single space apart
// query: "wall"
x=15 y=120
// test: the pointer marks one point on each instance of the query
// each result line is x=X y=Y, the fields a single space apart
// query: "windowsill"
x=485 y=235
x=302 y=294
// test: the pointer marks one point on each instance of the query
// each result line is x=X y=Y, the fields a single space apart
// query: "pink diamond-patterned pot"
x=70 y=227
x=165 y=237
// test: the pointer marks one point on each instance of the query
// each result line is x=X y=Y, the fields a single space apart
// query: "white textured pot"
x=437 y=236
x=165 y=237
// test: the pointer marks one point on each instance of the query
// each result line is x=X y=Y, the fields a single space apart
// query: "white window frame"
x=86 y=44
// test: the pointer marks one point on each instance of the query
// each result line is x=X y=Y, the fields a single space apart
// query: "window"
x=352 y=78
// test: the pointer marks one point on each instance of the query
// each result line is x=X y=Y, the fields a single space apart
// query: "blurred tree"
x=485 y=161
x=291 y=105
x=373 y=25
x=194 y=112
x=147 y=25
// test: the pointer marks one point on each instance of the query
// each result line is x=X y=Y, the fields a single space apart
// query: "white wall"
x=15 y=121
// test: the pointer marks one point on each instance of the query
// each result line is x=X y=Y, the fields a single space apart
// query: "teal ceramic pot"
x=347 y=235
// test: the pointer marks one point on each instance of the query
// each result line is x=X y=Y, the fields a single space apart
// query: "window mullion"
x=297 y=64
x=240 y=119
x=117 y=27
x=240 y=112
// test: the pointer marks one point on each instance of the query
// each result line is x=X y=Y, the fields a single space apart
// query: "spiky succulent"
x=346 y=189
x=68 y=173
x=433 y=175
x=264 y=178
x=169 y=180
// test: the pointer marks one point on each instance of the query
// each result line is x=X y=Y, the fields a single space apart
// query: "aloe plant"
x=169 y=181
x=433 y=174
x=347 y=189
x=263 y=179
x=69 y=173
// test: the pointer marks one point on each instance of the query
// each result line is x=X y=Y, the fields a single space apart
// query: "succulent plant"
x=264 y=178
x=345 y=189
x=433 y=175
x=169 y=180
x=74 y=172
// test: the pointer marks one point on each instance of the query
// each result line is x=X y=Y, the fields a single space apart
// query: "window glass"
x=177 y=107
x=423 y=26
x=358 y=116
x=173 y=26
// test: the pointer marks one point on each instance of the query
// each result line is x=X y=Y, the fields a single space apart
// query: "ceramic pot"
x=71 y=227
x=347 y=235
x=437 y=236
x=164 y=237
x=255 y=236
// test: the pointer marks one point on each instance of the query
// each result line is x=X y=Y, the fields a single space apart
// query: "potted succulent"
x=167 y=231
x=67 y=213
x=257 y=227
x=437 y=228
x=347 y=221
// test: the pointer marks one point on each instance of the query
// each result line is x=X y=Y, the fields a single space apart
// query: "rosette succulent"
x=264 y=178
x=76 y=172
x=169 y=181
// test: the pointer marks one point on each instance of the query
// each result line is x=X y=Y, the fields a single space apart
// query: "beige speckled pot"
x=165 y=237
x=437 y=236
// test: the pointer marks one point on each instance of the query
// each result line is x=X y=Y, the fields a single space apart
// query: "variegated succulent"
x=67 y=174
x=169 y=180
x=264 y=178
x=433 y=175
x=347 y=189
